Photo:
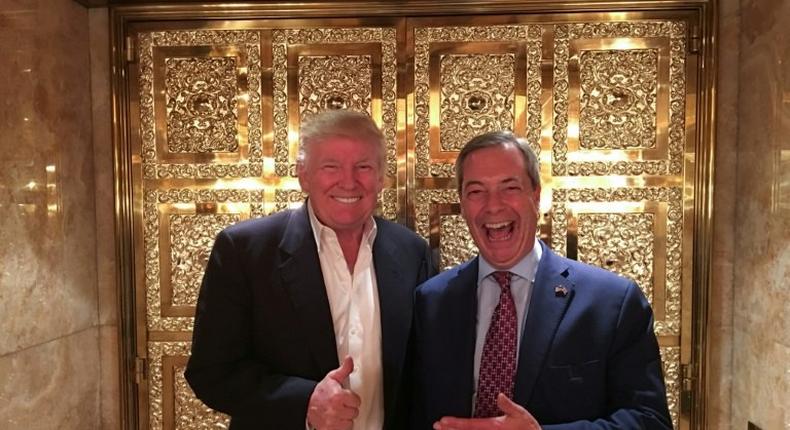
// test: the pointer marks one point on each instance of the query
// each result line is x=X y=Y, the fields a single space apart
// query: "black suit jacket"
x=263 y=334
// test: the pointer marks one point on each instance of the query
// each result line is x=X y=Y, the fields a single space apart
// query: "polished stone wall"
x=49 y=329
x=718 y=365
x=761 y=316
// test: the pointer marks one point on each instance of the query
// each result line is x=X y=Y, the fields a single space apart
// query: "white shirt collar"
x=526 y=268
x=320 y=230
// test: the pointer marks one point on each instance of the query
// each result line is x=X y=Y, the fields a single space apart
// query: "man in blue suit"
x=287 y=298
x=519 y=337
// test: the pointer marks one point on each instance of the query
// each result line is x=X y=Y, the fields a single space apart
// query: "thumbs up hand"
x=331 y=406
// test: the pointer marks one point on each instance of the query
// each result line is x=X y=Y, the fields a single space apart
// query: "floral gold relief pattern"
x=388 y=204
x=600 y=236
x=622 y=243
x=422 y=208
x=477 y=91
x=200 y=95
x=189 y=413
x=202 y=99
x=457 y=245
x=477 y=96
x=618 y=97
x=333 y=81
x=670 y=359
x=191 y=239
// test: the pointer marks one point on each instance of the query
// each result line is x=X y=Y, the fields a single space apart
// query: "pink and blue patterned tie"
x=498 y=361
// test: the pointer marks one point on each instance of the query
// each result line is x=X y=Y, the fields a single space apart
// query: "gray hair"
x=357 y=126
x=499 y=138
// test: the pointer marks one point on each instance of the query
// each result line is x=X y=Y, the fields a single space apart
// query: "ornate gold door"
x=209 y=112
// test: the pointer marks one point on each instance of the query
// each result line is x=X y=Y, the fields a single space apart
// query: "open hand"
x=515 y=418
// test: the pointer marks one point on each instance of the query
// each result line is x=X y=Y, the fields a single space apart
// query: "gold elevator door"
x=214 y=109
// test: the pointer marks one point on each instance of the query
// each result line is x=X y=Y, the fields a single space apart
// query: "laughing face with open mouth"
x=342 y=177
x=500 y=204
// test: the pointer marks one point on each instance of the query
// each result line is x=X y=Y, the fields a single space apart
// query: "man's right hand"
x=331 y=406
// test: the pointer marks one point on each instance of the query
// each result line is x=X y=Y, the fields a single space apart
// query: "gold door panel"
x=619 y=98
x=214 y=109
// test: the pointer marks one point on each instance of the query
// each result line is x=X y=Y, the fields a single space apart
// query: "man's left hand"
x=515 y=418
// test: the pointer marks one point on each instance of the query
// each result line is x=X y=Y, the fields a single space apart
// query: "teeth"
x=498 y=225
x=347 y=199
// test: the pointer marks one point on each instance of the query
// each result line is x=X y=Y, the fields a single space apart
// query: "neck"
x=349 y=244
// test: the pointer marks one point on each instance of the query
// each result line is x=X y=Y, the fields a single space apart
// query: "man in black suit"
x=287 y=297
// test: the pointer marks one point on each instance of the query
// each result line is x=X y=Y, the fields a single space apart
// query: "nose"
x=494 y=202
x=348 y=178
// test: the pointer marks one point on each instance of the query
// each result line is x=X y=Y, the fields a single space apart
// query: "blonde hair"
x=357 y=126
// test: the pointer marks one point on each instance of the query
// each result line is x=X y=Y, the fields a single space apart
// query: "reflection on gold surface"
x=469 y=80
x=589 y=77
x=618 y=99
x=477 y=96
x=670 y=360
x=196 y=87
x=173 y=405
x=324 y=68
x=200 y=96
x=178 y=236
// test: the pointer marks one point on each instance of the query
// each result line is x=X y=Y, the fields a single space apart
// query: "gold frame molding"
x=703 y=41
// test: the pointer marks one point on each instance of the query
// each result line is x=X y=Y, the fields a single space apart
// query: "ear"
x=536 y=196
x=302 y=175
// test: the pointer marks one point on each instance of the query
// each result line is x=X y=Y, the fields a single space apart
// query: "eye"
x=474 y=193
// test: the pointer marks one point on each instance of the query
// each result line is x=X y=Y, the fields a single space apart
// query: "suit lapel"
x=395 y=311
x=302 y=278
x=551 y=295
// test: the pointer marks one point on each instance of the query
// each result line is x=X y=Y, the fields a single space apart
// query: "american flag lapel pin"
x=560 y=291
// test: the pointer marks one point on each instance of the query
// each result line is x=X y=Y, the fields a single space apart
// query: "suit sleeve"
x=636 y=397
x=223 y=370
x=404 y=414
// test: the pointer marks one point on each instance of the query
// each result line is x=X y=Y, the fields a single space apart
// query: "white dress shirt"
x=488 y=292
x=354 y=304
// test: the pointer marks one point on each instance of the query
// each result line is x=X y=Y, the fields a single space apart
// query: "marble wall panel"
x=47 y=243
x=761 y=386
x=98 y=23
x=720 y=329
x=49 y=339
x=52 y=385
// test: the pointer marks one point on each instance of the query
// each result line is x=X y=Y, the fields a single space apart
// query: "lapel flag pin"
x=560 y=291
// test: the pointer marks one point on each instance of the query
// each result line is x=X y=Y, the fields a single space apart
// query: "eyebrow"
x=503 y=181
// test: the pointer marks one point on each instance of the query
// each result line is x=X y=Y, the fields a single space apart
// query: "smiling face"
x=342 y=177
x=500 y=204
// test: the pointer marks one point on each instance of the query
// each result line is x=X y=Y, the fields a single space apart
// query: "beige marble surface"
x=49 y=338
x=47 y=243
x=761 y=341
x=101 y=113
x=720 y=330
x=52 y=386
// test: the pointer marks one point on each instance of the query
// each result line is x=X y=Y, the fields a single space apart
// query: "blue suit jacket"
x=263 y=333
x=588 y=359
